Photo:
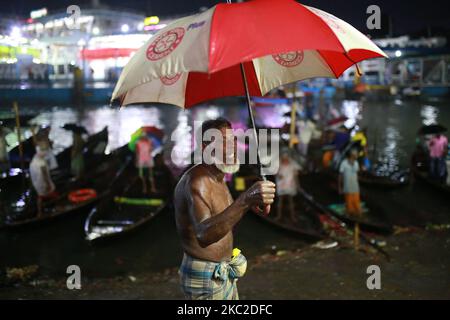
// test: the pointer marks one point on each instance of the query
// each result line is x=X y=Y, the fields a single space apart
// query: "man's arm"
x=211 y=228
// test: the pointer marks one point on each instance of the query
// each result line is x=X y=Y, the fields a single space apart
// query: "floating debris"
x=324 y=244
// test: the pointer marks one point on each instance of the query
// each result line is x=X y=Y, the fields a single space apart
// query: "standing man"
x=41 y=179
x=205 y=215
x=287 y=185
x=349 y=186
x=438 y=147
x=307 y=130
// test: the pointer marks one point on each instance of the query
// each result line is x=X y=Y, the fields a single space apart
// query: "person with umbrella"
x=215 y=54
x=206 y=214
x=76 y=152
x=144 y=161
x=438 y=148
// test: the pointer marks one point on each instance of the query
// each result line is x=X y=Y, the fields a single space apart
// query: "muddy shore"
x=419 y=269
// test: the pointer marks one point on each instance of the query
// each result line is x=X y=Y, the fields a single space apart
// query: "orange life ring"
x=82 y=195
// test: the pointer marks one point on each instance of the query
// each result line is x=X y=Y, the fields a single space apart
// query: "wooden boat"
x=93 y=152
x=368 y=221
x=22 y=210
x=420 y=171
x=396 y=180
x=125 y=210
x=95 y=141
x=373 y=217
x=308 y=225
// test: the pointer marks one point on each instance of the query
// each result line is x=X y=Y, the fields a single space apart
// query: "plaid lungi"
x=206 y=280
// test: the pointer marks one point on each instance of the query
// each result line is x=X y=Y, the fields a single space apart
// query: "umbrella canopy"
x=432 y=129
x=199 y=57
x=75 y=128
x=155 y=134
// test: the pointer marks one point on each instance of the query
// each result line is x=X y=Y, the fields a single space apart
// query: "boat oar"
x=19 y=138
x=335 y=217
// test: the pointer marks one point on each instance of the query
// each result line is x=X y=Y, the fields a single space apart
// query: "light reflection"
x=429 y=114
x=182 y=138
x=388 y=156
x=352 y=110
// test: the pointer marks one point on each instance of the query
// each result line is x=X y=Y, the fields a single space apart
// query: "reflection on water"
x=429 y=115
x=391 y=126
x=387 y=160
x=352 y=110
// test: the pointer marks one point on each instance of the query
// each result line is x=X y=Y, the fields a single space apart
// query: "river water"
x=392 y=127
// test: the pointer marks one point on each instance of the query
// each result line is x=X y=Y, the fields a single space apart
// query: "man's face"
x=229 y=146
x=227 y=162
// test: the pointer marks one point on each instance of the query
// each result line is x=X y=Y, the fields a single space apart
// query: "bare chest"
x=220 y=197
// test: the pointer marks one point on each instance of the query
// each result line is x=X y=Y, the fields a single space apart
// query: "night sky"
x=407 y=16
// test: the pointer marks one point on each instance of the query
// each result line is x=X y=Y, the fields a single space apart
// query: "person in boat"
x=206 y=214
x=41 y=179
x=144 y=162
x=328 y=148
x=42 y=142
x=77 y=156
x=287 y=185
x=438 y=150
x=4 y=157
x=360 y=137
x=348 y=183
x=341 y=139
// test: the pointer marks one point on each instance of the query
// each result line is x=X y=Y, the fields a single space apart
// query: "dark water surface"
x=392 y=128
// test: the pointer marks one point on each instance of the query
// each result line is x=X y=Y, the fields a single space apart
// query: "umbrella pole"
x=250 y=112
x=293 y=120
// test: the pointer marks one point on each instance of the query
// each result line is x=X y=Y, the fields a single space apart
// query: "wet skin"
x=205 y=212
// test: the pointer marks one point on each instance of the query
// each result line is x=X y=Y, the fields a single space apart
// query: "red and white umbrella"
x=199 y=57
x=241 y=49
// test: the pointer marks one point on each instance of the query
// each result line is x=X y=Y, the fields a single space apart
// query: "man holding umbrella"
x=438 y=147
x=205 y=215
x=216 y=54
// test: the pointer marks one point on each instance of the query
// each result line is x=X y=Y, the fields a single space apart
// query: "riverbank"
x=419 y=269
